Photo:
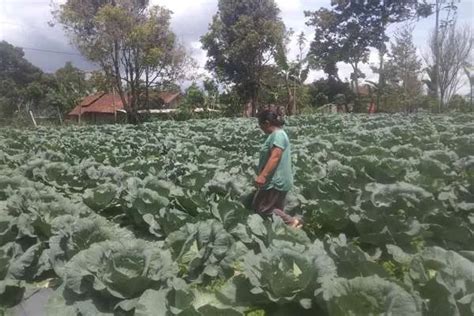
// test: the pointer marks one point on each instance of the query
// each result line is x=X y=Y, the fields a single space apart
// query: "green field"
x=154 y=220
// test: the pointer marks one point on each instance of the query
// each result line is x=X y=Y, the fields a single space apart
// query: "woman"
x=274 y=174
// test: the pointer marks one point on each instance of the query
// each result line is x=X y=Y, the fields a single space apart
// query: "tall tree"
x=294 y=72
x=242 y=39
x=194 y=96
x=359 y=25
x=340 y=39
x=70 y=86
x=98 y=81
x=451 y=48
x=211 y=88
x=131 y=41
x=437 y=6
x=20 y=81
x=403 y=70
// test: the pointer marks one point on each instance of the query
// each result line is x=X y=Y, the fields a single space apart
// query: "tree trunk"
x=357 y=104
x=291 y=100
x=59 y=115
x=382 y=51
x=436 y=61
x=132 y=115
x=118 y=80
x=254 y=106
x=471 y=95
x=295 y=110
x=381 y=84
x=247 y=109
x=147 y=88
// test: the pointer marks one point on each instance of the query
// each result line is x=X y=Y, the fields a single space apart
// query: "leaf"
x=369 y=296
x=23 y=266
x=11 y=292
x=120 y=269
x=296 y=270
x=153 y=302
x=398 y=254
x=100 y=197
x=286 y=271
x=204 y=248
x=72 y=235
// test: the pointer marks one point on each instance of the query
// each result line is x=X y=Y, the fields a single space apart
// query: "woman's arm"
x=271 y=164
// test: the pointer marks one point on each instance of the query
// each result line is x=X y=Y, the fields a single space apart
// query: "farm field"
x=154 y=219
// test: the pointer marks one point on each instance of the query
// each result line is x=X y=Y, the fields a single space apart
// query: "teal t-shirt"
x=281 y=178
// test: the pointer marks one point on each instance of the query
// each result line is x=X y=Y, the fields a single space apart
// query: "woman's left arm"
x=271 y=164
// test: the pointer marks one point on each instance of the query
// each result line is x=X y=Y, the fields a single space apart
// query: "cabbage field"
x=154 y=220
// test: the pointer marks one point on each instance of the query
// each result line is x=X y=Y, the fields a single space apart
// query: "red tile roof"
x=168 y=97
x=98 y=103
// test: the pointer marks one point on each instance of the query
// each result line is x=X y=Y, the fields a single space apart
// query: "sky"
x=24 y=23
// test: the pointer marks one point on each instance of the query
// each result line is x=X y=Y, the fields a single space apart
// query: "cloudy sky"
x=24 y=23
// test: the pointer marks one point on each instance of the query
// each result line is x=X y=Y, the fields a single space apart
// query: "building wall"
x=98 y=118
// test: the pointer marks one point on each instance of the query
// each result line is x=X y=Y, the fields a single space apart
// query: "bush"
x=458 y=103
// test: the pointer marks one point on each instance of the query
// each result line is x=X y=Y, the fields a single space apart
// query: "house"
x=169 y=100
x=98 y=108
x=105 y=107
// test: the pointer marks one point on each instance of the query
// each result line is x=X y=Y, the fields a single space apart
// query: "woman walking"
x=274 y=173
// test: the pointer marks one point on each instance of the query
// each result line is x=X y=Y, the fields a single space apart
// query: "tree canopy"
x=242 y=39
x=130 y=40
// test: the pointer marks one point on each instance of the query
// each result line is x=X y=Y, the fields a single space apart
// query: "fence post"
x=33 y=118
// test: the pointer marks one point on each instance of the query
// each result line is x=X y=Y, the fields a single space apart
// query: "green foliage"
x=242 y=38
x=20 y=81
x=131 y=41
x=130 y=219
x=69 y=88
x=402 y=71
x=349 y=28
x=458 y=103
x=339 y=39
x=325 y=91
x=194 y=97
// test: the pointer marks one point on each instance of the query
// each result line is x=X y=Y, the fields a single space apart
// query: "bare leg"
x=289 y=220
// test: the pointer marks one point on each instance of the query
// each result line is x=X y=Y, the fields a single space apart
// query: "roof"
x=99 y=103
x=168 y=97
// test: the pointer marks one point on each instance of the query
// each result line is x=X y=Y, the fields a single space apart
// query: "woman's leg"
x=269 y=202
x=285 y=217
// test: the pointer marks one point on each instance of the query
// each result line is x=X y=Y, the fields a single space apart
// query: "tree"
x=194 y=96
x=131 y=41
x=70 y=86
x=211 y=88
x=242 y=39
x=98 y=81
x=357 y=25
x=294 y=73
x=437 y=7
x=403 y=70
x=327 y=90
x=469 y=71
x=339 y=39
x=20 y=81
x=452 y=48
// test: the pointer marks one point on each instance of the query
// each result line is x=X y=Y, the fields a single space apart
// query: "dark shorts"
x=271 y=202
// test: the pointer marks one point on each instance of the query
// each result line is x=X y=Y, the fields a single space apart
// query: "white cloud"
x=24 y=23
x=289 y=6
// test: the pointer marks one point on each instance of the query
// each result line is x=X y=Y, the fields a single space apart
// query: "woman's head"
x=270 y=117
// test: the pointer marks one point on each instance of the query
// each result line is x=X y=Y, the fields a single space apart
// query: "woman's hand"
x=260 y=181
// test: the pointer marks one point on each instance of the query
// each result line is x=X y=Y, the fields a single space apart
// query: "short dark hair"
x=273 y=115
